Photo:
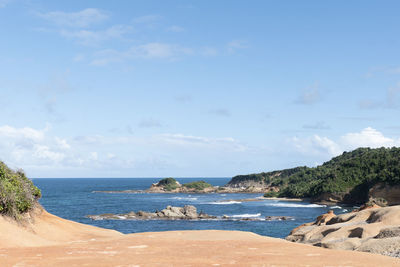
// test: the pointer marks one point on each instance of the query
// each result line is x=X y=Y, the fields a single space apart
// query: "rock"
x=385 y=195
x=190 y=211
x=324 y=218
x=187 y=212
x=372 y=229
x=278 y=218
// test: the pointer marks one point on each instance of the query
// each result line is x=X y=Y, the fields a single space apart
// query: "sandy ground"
x=52 y=241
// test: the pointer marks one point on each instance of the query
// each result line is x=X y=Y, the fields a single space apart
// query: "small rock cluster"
x=187 y=212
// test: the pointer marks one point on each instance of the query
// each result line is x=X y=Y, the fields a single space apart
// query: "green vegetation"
x=348 y=176
x=198 y=185
x=168 y=184
x=17 y=192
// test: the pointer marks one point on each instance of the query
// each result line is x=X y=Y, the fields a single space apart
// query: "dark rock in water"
x=187 y=212
x=278 y=218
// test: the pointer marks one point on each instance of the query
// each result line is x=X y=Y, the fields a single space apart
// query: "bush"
x=271 y=194
x=168 y=184
x=198 y=185
x=17 y=192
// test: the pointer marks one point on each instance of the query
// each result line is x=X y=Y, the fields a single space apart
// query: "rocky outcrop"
x=278 y=218
x=372 y=229
x=384 y=194
x=187 y=212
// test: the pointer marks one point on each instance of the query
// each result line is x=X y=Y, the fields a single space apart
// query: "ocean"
x=75 y=198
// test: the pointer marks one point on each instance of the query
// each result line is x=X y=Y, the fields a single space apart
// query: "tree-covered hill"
x=346 y=178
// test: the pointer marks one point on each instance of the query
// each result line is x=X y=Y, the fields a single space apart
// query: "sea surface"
x=75 y=198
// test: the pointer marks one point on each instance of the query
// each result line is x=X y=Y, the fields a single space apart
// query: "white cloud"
x=144 y=51
x=92 y=38
x=316 y=145
x=80 y=19
x=40 y=152
x=368 y=137
x=26 y=144
x=22 y=133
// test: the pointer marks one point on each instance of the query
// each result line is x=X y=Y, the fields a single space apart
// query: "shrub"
x=168 y=184
x=17 y=192
x=198 y=185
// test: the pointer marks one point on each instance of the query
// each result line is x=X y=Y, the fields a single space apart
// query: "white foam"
x=246 y=215
x=335 y=207
x=184 y=198
x=225 y=202
x=293 y=205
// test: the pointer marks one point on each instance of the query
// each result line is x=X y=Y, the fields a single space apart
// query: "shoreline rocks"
x=187 y=212
x=370 y=229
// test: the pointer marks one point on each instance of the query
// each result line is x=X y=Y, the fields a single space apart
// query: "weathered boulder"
x=373 y=229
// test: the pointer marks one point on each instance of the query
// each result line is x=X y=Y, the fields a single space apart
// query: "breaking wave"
x=246 y=215
x=294 y=205
x=225 y=202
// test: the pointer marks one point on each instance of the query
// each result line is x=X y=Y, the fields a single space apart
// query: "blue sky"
x=194 y=88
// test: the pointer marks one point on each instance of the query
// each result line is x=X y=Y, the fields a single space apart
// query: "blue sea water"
x=73 y=199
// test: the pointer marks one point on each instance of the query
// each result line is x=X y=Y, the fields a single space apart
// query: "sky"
x=194 y=88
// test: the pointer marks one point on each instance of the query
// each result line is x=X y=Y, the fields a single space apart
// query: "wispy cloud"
x=183 y=98
x=4 y=3
x=175 y=28
x=184 y=140
x=147 y=19
x=209 y=51
x=144 y=51
x=52 y=91
x=92 y=38
x=320 y=125
x=392 y=100
x=220 y=112
x=309 y=96
x=79 y=19
x=149 y=123
x=235 y=45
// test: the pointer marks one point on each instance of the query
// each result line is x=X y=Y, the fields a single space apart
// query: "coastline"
x=52 y=241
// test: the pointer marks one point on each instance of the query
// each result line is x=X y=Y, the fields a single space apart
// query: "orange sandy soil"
x=52 y=241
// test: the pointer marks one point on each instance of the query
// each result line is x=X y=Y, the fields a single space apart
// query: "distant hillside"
x=353 y=177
